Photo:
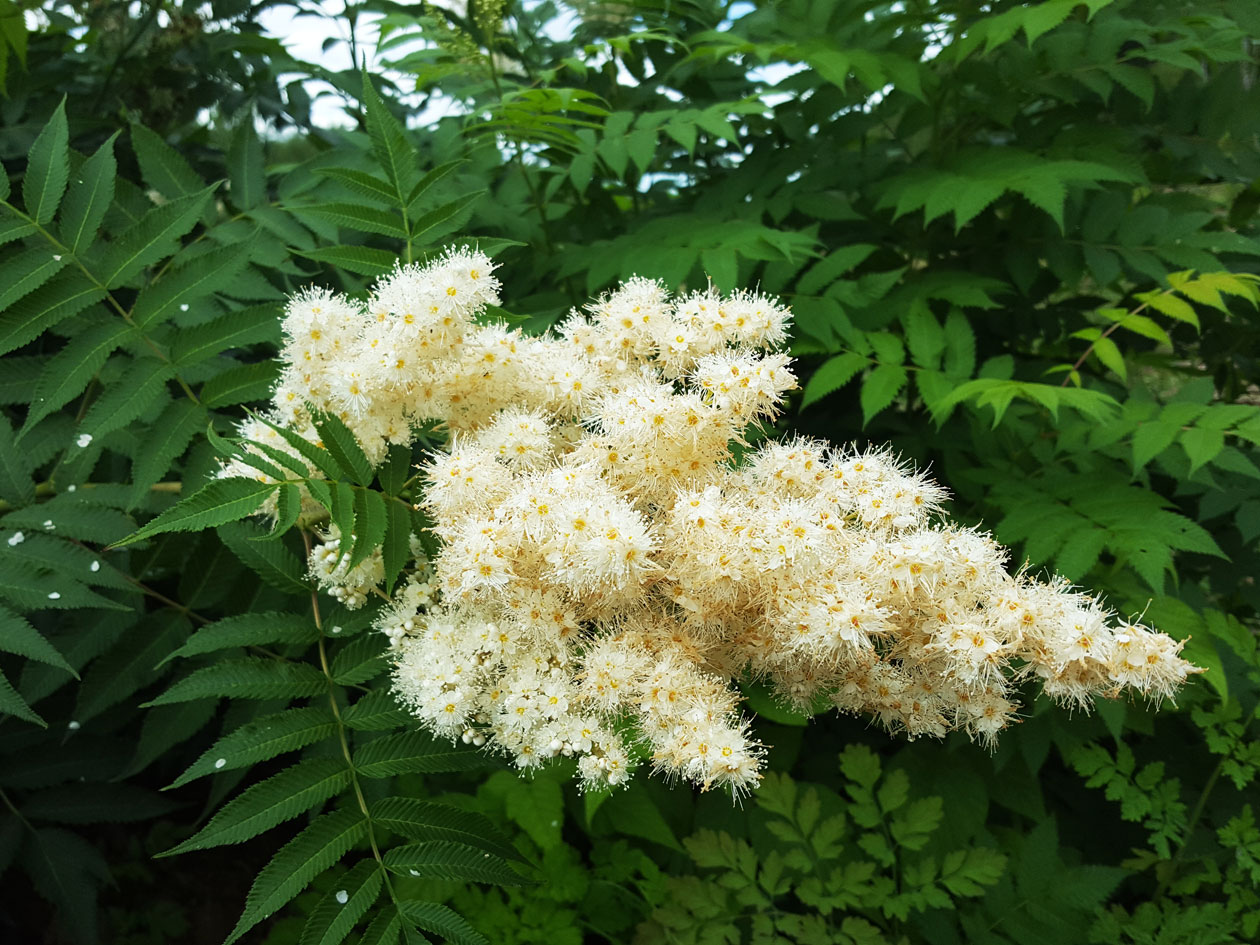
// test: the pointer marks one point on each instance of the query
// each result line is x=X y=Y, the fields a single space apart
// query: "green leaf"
x=431 y=179
x=344 y=448
x=206 y=274
x=26 y=272
x=253 y=629
x=1151 y=439
x=47 y=168
x=154 y=237
x=246 y=173
x=270 y=560
x=443 y=859
x=163 y=168
x=359 y=660
x=318 y=457
x=129 y=667
x=262 y=806
x=167 y=437
x=434 y=917
x=248 y=383
x=69 y=371
x=394 y=472
x=66 y=295
x=261 y=740
x=336 y=914
x=371 y=518
x=247 y=678
x=89 y=197
x=1202 y=445
x=11 y=703
x=217 y=503
x=442 y=214
x=834 y=374
x=357 y=217
x=389 y=141
x=424 y=820
x=880 y=388
x=396 y=544
x=18 y=636
x=16 y=485
x=415 y=753
x=831 y=268
x=362 y=183
x=377 y=711
x=299 y=861
x=361 y=260
x=128 y=398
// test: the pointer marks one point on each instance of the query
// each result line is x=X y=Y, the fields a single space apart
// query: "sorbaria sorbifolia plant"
x=610 y=567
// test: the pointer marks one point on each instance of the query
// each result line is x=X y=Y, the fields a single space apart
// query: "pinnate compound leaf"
x=415 y=753
x=89 y=197
x=255 y=629
x=217 y=503
x=444 y=859
x=336 y=914
x=967 y=872
x=261 y=740
x=48 y=167
x=262 y=806
x=376 y=711
x=247 y=678
x=298 y=862
x=425 y=820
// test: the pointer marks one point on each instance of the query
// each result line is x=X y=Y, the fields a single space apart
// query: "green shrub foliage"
x=1020 y=244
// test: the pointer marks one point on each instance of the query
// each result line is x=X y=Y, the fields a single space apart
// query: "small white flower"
x=83 y=440
x=220 y=763
x=16 y=539
x=55 y=595
x=71 y=488
x=342 y=896
x=94 y=566
x=48 y=524
x=184 y=307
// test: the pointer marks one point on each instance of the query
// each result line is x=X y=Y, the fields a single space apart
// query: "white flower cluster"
x=609 y=570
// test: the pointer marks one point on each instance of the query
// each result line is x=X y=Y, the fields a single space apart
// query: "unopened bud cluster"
x=609 y=570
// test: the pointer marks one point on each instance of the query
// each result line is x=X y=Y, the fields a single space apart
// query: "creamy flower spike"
x=608 y=569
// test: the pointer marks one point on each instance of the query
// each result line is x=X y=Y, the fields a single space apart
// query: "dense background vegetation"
x=1006 y=231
